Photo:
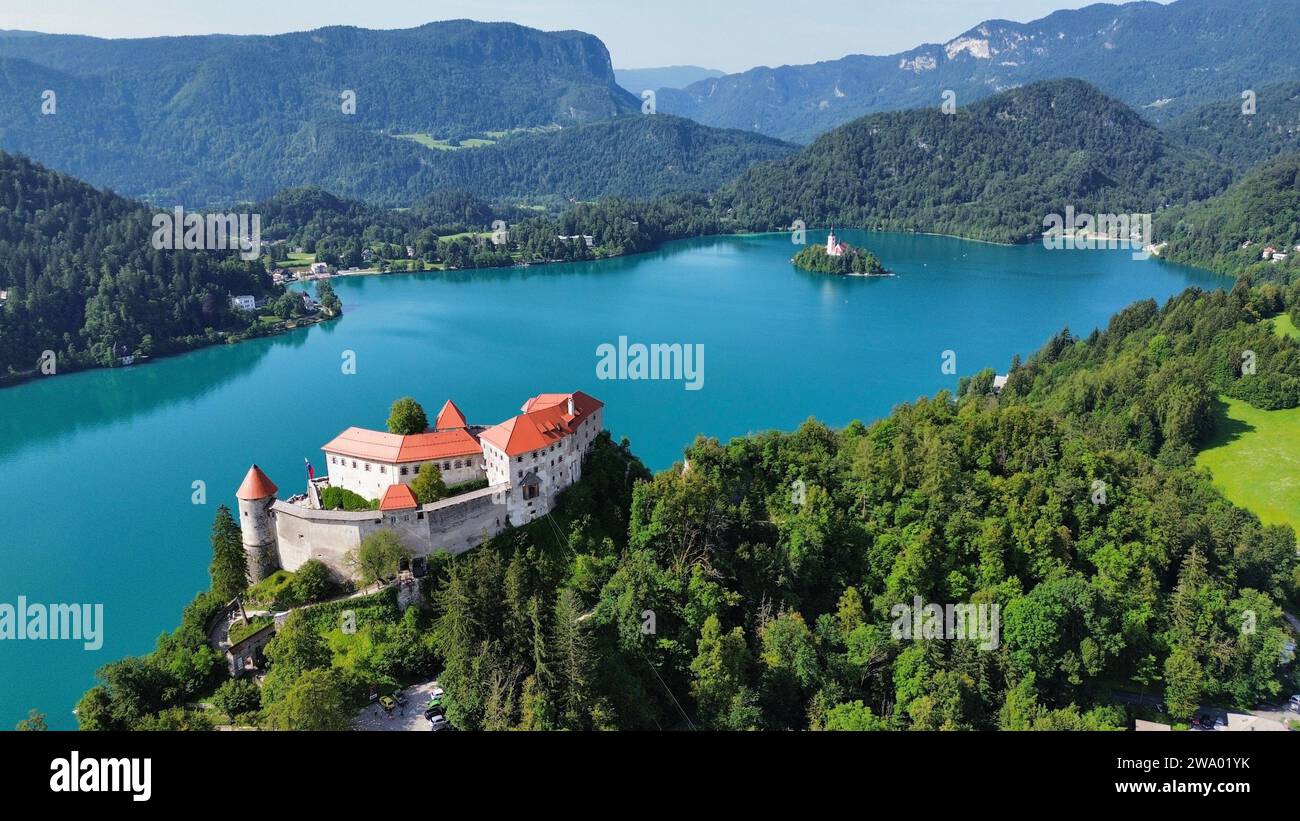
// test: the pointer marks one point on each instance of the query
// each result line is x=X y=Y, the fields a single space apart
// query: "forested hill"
x=773 y=565
x=213 y=118
x=81 y=276
x=1229 y=233
x=638 y=157
x=991 y=170
x=1162 y=59
x=1227 y=134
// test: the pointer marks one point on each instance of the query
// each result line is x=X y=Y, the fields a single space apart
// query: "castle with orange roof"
x=525 y=461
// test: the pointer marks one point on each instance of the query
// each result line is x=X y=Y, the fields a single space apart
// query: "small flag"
x=311 y=472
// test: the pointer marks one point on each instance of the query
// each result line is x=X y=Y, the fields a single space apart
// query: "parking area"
x=408 y=716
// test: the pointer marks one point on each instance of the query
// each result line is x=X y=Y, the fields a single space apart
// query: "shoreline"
x=24 y=377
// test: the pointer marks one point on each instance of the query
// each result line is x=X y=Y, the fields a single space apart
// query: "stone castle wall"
x=454 y=525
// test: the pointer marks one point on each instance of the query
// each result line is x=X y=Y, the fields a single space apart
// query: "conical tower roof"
x=257 y=485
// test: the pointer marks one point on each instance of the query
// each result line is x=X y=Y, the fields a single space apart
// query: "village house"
x=243 y=302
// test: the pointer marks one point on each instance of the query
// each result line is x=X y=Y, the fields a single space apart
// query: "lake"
x=98 y=469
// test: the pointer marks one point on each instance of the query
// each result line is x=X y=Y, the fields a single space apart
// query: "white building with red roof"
x=834 y=247
x=539 y=452
x=525 y=461
x=369 y=461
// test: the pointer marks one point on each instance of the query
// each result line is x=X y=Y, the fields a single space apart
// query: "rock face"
x=1218 y=47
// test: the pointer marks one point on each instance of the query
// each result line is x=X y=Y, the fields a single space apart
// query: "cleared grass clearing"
x=1255 y=460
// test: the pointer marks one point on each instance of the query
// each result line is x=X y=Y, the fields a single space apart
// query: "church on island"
x=525 y=462
x=835 y=248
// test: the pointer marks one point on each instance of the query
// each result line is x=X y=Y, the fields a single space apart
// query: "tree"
x=720 y=669
x=237 y=697
x=406 y=417
x=317 y=701
x=428 y=485
x=295 y=649
x=1184 y=679
x=379 y=556
x=573 y=661
x=35 y=721
x=229 y=568
x=853 y=716
x=311 y=582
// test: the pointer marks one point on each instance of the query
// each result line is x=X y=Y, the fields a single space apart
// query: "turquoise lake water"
x=97 y=468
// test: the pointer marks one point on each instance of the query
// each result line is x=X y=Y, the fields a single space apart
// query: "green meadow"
x=1283 y=326
x=1255 y=460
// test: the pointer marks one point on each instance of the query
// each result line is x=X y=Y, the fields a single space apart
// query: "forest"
x=751 y=585
x=82 y=278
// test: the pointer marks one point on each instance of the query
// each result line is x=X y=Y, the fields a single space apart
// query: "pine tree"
x=229 y=568
x=571 y=650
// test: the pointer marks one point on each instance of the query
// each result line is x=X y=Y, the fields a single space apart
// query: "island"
x=840 y=258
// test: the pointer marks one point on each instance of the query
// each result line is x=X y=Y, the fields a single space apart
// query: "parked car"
x=387 y=703
x=1294 y=704
x=437 y=722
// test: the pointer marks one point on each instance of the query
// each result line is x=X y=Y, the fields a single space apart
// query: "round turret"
x=256 y=495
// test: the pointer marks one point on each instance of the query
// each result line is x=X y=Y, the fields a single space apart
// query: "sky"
x=731 y=35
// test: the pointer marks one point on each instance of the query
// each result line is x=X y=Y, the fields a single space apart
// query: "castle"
x=525 y=462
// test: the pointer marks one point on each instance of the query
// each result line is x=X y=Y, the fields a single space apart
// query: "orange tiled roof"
x=450 y=417
x=380 y=446
x=544 y=421
x=257 y=485
x=398 y=497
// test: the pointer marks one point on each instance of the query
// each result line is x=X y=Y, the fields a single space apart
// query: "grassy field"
x=429 y=141
x=295 y=261
x=1255 y=460
x=1283 y=326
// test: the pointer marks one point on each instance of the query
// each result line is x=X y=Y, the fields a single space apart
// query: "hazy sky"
x=727 y=34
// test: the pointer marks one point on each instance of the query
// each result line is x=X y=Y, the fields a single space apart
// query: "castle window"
x=404 y=470
x=383 y=468
x=458 y=463
x=367 y=467
x=354 y=463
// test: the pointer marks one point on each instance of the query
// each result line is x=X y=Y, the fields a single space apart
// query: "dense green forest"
x=990 y=171
x=1162 y=58
x=1230 y=232
x=212 y=119
x=637 y=157
x=754 y=584
x=1224 y=132
x=82 y=277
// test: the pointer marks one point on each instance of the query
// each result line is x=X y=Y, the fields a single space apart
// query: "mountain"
x=637 y=80
x=214 y=118
x=82 y=277
x=1262 y=209
x=639 y=157
x=990 y=171
x=1222 y=130
x=1161 y=59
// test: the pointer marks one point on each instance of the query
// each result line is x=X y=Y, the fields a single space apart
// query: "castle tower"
x=256 y=495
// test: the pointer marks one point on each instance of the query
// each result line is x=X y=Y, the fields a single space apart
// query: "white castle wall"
x=454 y=525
